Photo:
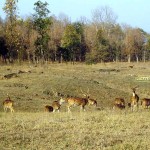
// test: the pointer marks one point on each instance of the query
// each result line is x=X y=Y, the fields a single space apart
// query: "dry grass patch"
x=97 y=130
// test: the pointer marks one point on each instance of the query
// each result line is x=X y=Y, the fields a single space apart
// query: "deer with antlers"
x=8 y=104
x=134 y=101
x=74 y=101
x=77 y=101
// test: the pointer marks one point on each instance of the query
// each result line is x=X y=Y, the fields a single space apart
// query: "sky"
x=131 y=12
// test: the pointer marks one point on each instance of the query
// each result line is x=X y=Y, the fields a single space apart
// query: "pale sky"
x=131 y=12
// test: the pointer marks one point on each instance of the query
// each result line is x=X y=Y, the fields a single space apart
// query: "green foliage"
x=81 y=50
x=42 y=25
x=100 y=51
x=71 y=40
x=41 y=45
x=10 y=9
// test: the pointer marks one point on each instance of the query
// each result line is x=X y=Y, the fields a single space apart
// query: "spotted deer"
x=8 y=104
x=119 y=103
x=56 y=106
x=74 y=101
x=134 y=100
x=145 y=102
x=91 y=101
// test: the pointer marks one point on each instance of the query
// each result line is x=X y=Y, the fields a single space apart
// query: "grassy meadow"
x=102 y=128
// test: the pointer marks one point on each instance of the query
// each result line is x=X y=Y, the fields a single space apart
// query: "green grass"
x=103 y=128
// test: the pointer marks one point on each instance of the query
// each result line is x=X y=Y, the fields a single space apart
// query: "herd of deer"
x=71 y=101
x=82 y=102
x=134 y=102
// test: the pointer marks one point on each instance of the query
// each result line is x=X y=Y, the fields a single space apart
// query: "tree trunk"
x=34 y=58
x=129 y=58
x=144 y=54
x=137 y=58
x=61 y=58
x=29 y=60
x=117 y=59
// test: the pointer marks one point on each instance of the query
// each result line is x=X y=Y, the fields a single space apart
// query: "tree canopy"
x=44 y=37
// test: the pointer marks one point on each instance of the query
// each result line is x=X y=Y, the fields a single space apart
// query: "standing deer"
x=8 y=104
x=74 y=101
x=119 y=103
x=77 y=101
x=56 y=106
x=145 y=102
x=134 y=101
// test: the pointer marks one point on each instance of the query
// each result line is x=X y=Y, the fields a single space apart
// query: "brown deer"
x=134 y=101
x=119 y=103
x=56 y=106
x=90 y=100
x=145 y=102
x=77 y=101
x=8 y=104
x=48 y=108
x=74 y=101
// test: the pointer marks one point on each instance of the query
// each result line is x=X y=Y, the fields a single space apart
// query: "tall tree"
x=42 y=24
x=103 y=18
x=133 y=43
x=146 y=55
x=81 y=49
x=71 y=41
x=116 y=41
x=13 y=37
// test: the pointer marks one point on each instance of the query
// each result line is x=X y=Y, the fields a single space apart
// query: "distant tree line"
x=43 y=37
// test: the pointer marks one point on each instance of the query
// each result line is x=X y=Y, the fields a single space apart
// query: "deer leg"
x=82 y=108
x=5 y=109
x=12 y=110
x=69 y=109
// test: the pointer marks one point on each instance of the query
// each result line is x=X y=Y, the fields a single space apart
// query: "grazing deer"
x=48 y=108
x=119 y=103
x=87 y=96
x=56 y=106
x=145 y=102
x=134 y=99
x=8 y=104
x=74 y=101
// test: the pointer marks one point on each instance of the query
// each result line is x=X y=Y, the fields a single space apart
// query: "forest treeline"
x=43 y=37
